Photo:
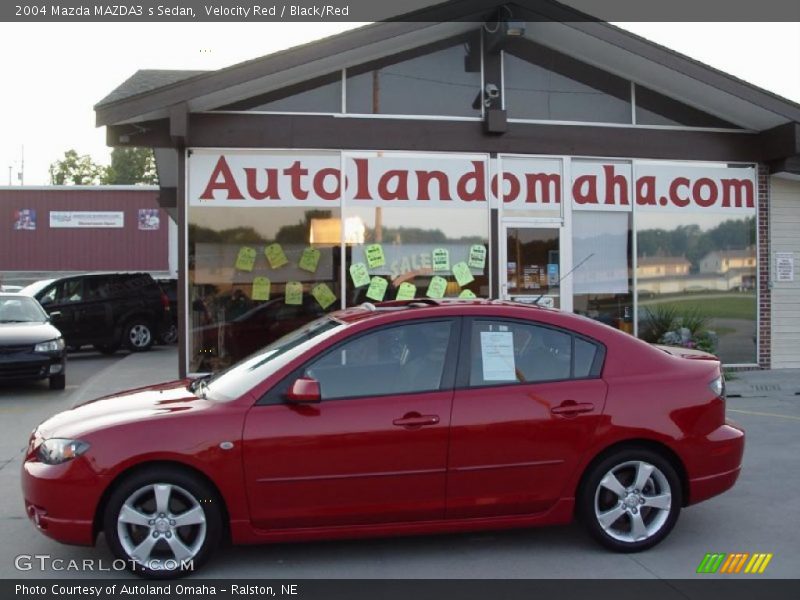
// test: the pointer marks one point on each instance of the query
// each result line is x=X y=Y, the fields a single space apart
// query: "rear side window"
x=393 y=360
x=503 y=352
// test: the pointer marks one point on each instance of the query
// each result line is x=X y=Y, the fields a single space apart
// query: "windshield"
x=246 y=374
x=21 y=309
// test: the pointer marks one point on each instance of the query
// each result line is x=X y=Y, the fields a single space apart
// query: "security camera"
x=492 y=91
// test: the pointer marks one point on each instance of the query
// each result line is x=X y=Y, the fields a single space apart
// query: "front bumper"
x=29 y=365
x=61 y=500
x=723 y=450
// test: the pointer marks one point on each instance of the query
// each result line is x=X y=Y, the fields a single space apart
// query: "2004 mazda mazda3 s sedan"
x=408 y=417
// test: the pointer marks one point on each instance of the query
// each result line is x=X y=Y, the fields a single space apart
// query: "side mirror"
x=304 y=391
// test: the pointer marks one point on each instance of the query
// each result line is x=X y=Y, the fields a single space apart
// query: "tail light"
x=164 y=301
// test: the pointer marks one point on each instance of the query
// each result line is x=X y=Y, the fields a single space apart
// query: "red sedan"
x=405 y=418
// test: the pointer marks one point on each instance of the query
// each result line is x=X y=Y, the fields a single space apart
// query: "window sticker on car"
x=497 y=355
x=261 y=287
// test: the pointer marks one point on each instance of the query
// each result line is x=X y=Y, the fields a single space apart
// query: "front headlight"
x=52 y=346
x=718 y=386
x=56 y=451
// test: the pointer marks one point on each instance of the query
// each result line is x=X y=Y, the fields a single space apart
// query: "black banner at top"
x=70 y=11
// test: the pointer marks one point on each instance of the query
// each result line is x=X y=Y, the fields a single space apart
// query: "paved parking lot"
x=760 y=514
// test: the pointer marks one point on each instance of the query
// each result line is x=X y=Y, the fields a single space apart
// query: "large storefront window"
x=256 y=274
x=697 y=282
x=416 y=252
x=602 y=255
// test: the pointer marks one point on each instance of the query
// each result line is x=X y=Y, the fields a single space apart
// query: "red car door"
x=374 y=449
x=529 y=399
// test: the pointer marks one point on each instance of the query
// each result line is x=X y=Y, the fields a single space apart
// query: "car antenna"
x=567 y=274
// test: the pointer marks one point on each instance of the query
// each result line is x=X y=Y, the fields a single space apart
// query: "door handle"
x=415 y=420
x=570 y=408
x=55 y=313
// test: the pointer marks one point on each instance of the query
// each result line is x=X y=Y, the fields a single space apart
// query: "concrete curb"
x=135 y=370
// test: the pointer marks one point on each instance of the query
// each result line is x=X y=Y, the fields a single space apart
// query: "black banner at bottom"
x=405 y=589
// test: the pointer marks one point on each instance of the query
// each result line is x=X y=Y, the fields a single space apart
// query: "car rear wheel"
x=138 y=335
x=58 y=382
x=163 y=523
x=630 y=500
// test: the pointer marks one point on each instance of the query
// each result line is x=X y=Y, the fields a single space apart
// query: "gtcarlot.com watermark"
x=46 y=562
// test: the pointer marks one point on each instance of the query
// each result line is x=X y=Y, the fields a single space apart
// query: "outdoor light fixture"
x=514 y=28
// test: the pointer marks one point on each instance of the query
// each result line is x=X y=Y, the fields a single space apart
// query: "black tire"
x=58 y=382
x=138 y=335
x=107 y=348
x=169 y=335
x=650 y=512
x=138 y=491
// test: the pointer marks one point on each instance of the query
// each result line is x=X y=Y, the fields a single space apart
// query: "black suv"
x=107 y=310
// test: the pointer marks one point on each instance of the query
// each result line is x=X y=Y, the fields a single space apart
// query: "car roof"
x=425 y=307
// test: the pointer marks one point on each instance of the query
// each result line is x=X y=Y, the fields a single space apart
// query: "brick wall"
x=764 y=292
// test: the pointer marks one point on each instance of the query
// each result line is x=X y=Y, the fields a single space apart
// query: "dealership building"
x=511 y=152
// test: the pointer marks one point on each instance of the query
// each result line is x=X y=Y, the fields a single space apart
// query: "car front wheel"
x=163 y=523
x=630 y=500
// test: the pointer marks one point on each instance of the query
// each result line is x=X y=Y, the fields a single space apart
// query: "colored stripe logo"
x=737 y=562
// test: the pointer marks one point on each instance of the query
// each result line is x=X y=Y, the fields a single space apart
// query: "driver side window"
x=394 y=360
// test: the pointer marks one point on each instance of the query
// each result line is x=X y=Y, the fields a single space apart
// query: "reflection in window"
x=541 y=83
x=394 y=360
x=432 y=84
x=417 y=245
x=254 y=276
x=697 y=282
x=602 y=284
x=653 y=108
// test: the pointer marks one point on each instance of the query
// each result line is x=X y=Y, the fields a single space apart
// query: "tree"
x=131 y=166
x=76 y=170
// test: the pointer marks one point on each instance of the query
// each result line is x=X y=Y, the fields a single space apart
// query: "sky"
x=53 y=73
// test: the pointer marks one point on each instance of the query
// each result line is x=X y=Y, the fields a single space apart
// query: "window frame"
x=276 y=395
x=465 y=354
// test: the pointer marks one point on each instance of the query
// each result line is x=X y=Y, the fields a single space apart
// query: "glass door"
x=531 y=266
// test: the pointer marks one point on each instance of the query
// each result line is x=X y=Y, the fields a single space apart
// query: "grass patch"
x=734 y=306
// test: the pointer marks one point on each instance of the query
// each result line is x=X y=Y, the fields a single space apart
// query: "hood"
x=686 y=352
x=27 y=333
x=159 y=401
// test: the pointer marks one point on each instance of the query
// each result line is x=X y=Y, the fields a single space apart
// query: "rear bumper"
x=722 y=463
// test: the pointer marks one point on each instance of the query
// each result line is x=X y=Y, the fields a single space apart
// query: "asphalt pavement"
x=760 y=514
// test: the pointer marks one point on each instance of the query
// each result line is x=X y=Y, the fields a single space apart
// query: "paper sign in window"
x=462 y=274
x=323 y=294
x=359 y=274
x=497 y=356
x=467 y=294
x=441 y=259
x=437 y=287
x=261 y=286
x=275 y=256
x=246 y=259
x=294 y=292
x=406 y=291
x=377 y=289
x=477 y=257
x=375 y=257
x=309 y=260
